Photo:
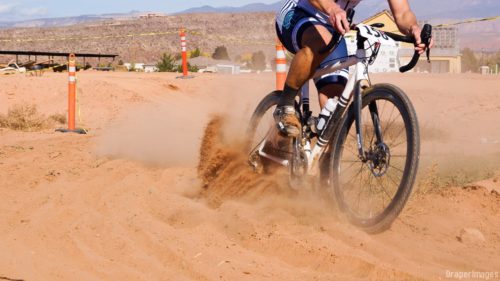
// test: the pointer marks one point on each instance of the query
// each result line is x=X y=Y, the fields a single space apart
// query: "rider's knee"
x=316 y=38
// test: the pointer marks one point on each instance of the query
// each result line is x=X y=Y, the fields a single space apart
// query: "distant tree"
x=120 y=62
x=469 y=61
x=220 y=53
x=493 y=60
x=167 y=63
x=246 y=58
x=497 y=59
x=191 y=68
x=258 y=61
x=195 y=53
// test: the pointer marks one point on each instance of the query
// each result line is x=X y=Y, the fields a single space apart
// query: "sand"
x=125 y=202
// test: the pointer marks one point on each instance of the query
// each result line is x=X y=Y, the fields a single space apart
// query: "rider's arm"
x=406 y=21
x=338 y=17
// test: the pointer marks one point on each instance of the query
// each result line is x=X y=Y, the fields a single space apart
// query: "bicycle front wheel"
x=373 y=191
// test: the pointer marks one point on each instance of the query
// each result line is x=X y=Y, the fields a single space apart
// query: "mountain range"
x=254 y=7
x=425 y=10
x=66 y=21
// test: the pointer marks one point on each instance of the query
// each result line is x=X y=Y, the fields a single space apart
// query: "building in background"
x=210 y=65
x=445 y=56
x=150 y=68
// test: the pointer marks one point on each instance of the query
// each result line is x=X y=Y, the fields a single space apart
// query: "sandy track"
x=125 y=202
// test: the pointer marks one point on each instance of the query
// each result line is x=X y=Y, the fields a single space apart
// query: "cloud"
x=20 y=10
x=6 y=8
x=34 y=12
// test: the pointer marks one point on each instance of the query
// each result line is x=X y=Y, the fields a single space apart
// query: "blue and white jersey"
x=310 y=9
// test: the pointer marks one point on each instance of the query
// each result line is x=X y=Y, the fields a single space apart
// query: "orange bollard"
x=72 y=98
x=184 y=55
x=71 y=92
x=280 y=66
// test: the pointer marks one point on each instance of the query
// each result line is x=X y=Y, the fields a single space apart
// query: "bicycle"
x=360 y=146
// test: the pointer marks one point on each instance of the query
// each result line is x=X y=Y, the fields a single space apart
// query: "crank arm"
x=280 y=161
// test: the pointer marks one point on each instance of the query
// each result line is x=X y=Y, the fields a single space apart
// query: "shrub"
x=23 y=117
x=191 y=68
x=220 y=53
x=167 y=64
x=258 y=61
x=59 y=118
x=195 y=53
x=469 y=61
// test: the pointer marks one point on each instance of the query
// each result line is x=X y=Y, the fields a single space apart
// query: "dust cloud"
x=159 y=134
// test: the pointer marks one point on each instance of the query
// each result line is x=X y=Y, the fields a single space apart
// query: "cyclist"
x=305 y=27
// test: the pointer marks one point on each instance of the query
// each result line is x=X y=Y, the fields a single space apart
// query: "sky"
x=29 y=9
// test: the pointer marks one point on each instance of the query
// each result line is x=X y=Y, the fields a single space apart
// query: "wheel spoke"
x=360 y=184
x=398 y=156
x=390 y=118
x=393 y=181
x=397 y=169
x=350 y=166
x=370 y=199
x=355 y=154
x=391 y=122
x=354 y=177
x=381 y=185
x=392 y=146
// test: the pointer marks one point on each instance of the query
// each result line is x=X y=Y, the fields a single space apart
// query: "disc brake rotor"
x=379 y=158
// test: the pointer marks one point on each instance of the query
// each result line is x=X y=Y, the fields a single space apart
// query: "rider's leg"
x=333 y=84
x=314 y=38
x=329 y=91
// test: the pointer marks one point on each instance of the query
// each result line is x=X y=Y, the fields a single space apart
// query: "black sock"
x=288 y=96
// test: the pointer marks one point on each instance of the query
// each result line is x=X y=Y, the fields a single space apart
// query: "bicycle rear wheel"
x=260 y=130
x=262 y=119
x=373 y=192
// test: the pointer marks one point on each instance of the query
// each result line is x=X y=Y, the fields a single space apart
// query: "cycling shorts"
x=291 y=25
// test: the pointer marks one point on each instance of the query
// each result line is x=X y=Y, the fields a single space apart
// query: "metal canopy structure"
x=52 y=54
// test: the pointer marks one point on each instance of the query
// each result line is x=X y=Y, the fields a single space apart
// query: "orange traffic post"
x=72 y=98
x=280 y=66
x=184 y=55
x=71 y=92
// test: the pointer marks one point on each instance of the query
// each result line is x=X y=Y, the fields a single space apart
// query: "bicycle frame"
x=353 y=85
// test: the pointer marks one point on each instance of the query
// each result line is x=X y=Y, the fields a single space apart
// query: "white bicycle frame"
x=358 y=74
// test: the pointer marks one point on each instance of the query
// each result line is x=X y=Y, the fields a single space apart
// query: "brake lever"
x=426 y=37
x=350 y=16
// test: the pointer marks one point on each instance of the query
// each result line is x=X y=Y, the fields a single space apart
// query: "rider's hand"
x=416 y=31
x=338 y=19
